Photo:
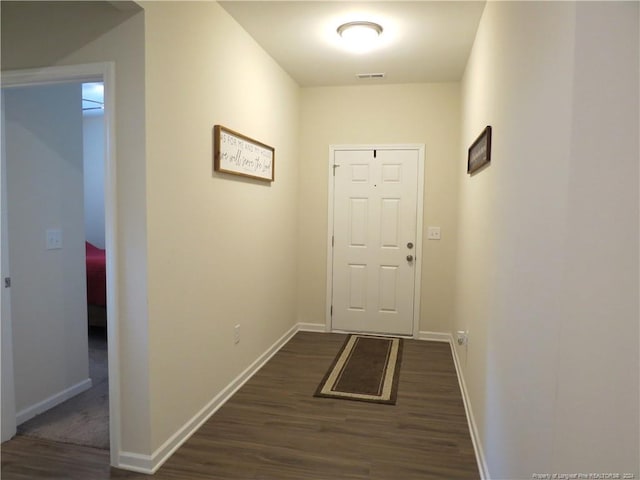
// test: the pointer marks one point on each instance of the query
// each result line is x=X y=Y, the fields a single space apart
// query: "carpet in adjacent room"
x=83 y=419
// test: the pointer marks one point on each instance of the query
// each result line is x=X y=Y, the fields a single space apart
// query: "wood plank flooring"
x=274 y=429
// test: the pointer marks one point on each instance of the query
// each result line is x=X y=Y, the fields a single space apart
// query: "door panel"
x=375 y=195
x=357 y=287
x=358 y=217
x=389 y=227
x=8 y=400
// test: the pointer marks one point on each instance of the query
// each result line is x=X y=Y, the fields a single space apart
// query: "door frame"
x=420 y=148
x=95 y=72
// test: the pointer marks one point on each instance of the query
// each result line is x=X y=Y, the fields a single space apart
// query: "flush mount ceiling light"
x=359 y=36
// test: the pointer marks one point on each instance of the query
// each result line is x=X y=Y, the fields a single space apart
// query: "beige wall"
x=43 y=132
x=547 y=276
x=222 y=249
x=377 y=114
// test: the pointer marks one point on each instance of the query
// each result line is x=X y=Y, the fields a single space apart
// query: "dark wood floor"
x=274 y=428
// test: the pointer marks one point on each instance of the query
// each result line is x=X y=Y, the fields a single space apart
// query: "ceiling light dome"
x=359 y=36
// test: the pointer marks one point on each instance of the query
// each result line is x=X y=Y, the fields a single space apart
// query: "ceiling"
x=76 y=24
x=422 y=41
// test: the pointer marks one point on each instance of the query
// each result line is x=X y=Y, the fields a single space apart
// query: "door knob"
x=409 y=245
x=409 y=258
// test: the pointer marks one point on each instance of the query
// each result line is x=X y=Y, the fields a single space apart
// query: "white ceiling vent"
x=366 y=76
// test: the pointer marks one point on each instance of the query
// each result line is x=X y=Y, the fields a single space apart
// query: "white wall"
x=43 y=134
x=597 y=414
x=93 y=157
x=222 y=249
x=547 y=276
x=375 y=114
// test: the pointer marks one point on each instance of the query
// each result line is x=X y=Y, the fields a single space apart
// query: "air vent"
x=366 y=76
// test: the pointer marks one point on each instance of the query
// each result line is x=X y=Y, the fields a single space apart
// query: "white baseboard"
x=30 y=412
x=134 y=462
x=312 y=327
x=149 y=464
x=434 y=336
x=473 y=429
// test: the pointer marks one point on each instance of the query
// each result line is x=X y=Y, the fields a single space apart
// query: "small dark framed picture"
x=479 y=151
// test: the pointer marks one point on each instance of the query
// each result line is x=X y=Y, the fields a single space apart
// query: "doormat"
x=367 y=369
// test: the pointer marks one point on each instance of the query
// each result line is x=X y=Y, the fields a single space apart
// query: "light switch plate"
x=433 y=233
x=53 y=239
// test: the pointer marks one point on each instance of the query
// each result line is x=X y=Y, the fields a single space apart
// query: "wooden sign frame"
x=479 y=152
x=238 y=154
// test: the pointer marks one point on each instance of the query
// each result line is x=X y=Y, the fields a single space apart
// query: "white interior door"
x=8 y=401
x=374 y=240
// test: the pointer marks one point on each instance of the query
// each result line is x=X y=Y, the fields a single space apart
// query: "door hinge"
x=331 y=311
x=375 y=153
x=333 y=240
x=334 y=169
x=7 y=282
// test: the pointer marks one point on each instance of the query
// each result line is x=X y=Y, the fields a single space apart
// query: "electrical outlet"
x=462 y=337
x=236 y=334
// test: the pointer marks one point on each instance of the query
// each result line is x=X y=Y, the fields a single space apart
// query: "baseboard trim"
x=312 y=327
x=473 y=429
x=134 y=462
x=434 y=336
x=54 y=400
x=149 y=464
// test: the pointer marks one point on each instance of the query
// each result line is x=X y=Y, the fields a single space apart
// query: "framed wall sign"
x=479 y=151
x=240 y=155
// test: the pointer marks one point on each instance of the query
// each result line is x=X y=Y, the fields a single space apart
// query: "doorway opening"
x=82 y=419
x=105 y=339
